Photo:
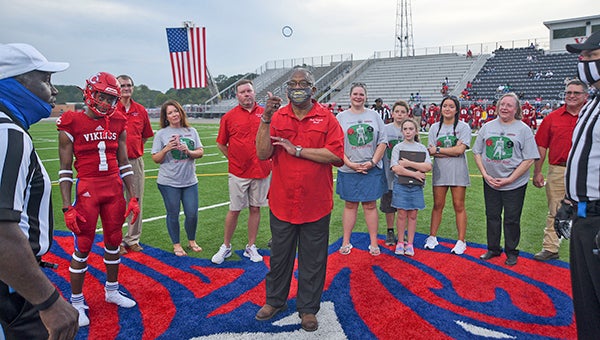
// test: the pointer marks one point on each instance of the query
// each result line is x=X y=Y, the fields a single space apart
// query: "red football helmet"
x=101 y=94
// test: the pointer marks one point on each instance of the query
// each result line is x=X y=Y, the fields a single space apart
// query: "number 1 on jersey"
x=103 y=166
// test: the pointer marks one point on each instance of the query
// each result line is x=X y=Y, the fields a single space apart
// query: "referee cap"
x=591 y=43
x=17 y=59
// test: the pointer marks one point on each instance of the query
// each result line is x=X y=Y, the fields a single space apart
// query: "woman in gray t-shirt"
x=504 y=151
x=448 y=141
x=176 y=146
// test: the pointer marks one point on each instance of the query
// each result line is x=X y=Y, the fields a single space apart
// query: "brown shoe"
x=309 y=322
x=545 y=255
x=135 y=247
x=122 y=250
x=268 y=311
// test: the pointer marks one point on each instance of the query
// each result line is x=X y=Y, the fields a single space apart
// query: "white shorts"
x=245 y=192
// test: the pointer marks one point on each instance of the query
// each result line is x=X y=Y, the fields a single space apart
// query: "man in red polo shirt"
x=248 y=176
x=304 y=141
x=554 y=135
x=138 y=131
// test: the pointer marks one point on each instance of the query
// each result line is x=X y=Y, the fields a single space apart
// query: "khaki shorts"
x=245 y=192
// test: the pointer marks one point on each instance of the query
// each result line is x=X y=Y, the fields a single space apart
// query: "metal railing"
x=476 y=48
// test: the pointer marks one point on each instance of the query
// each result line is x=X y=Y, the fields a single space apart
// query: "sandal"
x=345 y=250
x=375 y=251
x=179 y=252
x=196 y=248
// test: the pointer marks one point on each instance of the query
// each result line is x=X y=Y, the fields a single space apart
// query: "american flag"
x=187 y=49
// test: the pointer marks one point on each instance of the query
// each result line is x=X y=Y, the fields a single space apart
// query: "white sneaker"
x=83 y=318
x=430 y=242
x=119 y=299
x=252 y=253
x=222 y=254
x=459 y=248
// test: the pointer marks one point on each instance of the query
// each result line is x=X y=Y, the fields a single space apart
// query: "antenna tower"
x=403 y=39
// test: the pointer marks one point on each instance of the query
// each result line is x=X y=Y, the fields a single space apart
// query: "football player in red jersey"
x=97 y=139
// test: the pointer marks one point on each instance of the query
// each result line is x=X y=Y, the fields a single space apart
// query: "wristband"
x=372 y=163
x=49 y=301
x=265 y=121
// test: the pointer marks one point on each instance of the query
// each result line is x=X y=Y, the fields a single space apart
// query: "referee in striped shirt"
x=30 y=306
x=582 y=182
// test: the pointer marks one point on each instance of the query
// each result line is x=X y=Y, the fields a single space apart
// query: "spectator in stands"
x=411 y=99
x=504 y=151
x=393 y=132
x=529 y=58
x=361 y=178
x=248 y=179
x=469 y=54
x=554 y=139
x=530 y=74
x=383 y=111
x=339 y=109
x=448 y=141
x=417 y=97
x=567 y=80
x=538 y=75
x=549 y=74
x=469 y=85
x=444 y=90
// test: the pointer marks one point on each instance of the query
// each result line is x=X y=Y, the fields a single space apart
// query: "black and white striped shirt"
x=25 y=187
x=582 y=179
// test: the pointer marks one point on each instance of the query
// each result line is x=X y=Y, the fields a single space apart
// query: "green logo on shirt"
x=179 y=155
x=360 y=134
x=447 y=141
x=499 y=148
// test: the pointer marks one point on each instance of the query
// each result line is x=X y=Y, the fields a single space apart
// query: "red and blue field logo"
x=433 y=295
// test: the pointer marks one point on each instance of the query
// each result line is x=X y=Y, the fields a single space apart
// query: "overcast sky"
x=129 y=36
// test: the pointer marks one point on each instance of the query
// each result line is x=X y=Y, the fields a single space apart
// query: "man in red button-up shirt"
x=304 y=140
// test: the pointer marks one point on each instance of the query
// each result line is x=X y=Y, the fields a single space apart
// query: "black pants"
x=312 y=241
x=511 y=202
x=19 y=319
x=585 y=276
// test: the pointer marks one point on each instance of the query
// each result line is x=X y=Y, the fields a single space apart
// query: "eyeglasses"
x=301 y=83
x=573 y=93
x=126 y=85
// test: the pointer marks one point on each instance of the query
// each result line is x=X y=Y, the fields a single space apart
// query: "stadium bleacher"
x=397 y=78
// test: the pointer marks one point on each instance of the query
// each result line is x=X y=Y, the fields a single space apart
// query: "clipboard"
x=415 y=156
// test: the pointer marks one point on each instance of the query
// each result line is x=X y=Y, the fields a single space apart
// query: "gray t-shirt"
x=450 y=171
x=177 y=169
x=363 y=132
x=503 y=147
x=394 y=136
x=407 y=146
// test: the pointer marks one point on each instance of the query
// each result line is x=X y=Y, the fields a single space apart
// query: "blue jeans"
x=188 y=196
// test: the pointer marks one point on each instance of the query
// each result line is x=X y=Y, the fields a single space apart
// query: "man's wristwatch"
x=298 y=150
x=437 y=149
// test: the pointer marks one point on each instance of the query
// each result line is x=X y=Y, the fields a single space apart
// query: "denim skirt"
x=358 y=187
x=408 y=197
